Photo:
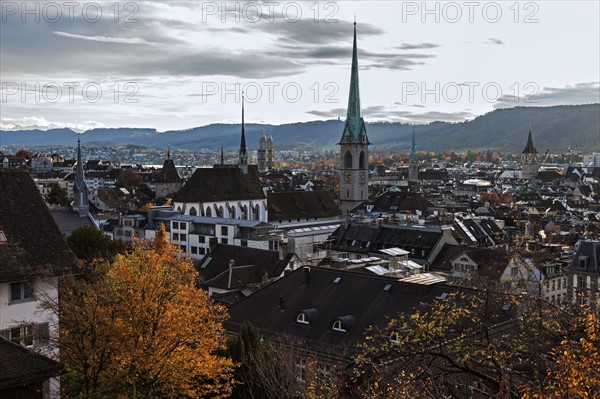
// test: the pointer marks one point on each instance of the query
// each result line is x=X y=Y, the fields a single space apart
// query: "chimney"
x=231 y=265
x=283 y=249
x=306 y=275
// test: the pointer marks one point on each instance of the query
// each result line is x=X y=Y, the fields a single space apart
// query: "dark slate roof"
x=396 y=202
x=35 y=246
x=529 y=148
x=250 y=266
x=168 y=173
x=20 y=366
x=68 y=221
x=591 y=249
x=301 y=205
x=221 y=184
x=359 y=299
x=491 y=261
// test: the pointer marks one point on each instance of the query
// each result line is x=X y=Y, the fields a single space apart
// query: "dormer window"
x=394 y=337
x=307 y=316
x=302 y=318
x=338 y=326
x=583 y=262
x=3 y=239
x=343 y=323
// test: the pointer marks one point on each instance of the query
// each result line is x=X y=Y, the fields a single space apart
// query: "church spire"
x=413 y=149
x=80 y=189
x=529 y=148
x=243 y=162
x=355 y=125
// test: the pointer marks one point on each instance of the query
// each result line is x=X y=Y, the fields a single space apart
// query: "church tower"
x=529 y=160
x=243 y=161
x=413 y=166
x=354 y=147
x=80 y=188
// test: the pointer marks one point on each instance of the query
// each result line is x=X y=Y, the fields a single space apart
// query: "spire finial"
x=168 y=153
x=354 y=19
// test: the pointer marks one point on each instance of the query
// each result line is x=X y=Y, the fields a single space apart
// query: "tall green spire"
x=355 y=125
x=413 y=149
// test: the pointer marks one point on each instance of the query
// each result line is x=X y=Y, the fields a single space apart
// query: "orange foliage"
x=144 y=330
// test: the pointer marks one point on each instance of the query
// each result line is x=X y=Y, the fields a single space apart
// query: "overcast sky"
x=177 y=65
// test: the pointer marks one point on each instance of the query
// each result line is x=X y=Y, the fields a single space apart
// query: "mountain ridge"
x=555 y=128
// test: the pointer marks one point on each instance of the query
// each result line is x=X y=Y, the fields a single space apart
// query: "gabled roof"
x=591 y=250
x=250 y=266
x=396 y=202
x=35 y=247
x=301 y=205
x=358 y=300
x=20 y=366
x=221 y=184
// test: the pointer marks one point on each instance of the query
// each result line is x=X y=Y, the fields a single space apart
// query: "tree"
x=262 y=370
x=89 y=243
x=58 y=196
x=469 y=344
x=143 y=330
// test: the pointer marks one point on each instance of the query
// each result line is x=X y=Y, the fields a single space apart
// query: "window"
x=183 y=248
x=182 y=237
x=201 y=239
x=224 y=230
x=193 y=211
x=176 y=225
x=22 y=291
x=348 y=160
x=338 y=326
x=127 y=233
x=224 y=241
x=27 y=334
x=201 y=251
x=301 y=318
x=194 y=250
x=273 y=245
x=175 y=236
x=514 y=270
x=128 y=223
x=361 y=160
x=394 y=337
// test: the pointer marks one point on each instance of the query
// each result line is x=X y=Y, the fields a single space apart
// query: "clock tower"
x=354 y=147
x=529 y=160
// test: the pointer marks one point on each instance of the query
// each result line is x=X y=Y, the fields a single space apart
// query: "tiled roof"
x=357 y=299
x=20 y=366
x=396 y=202
x=250 y=265
x=35 y=247
x=221 y=184
x=301 y=205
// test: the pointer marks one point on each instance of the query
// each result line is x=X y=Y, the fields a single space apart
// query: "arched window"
x=361 y=160
x=301 y=318
x=219 y=211
x=232 y=212
x=348 y=160
x=208 y=212
x=255 y=212
x=193 y=211
x=338 y=325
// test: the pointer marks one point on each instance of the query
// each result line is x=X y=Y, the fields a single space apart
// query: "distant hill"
x=554 y=128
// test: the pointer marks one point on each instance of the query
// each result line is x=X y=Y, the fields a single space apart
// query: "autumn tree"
x=89 y=243
x=143 y=330
x=469 y=344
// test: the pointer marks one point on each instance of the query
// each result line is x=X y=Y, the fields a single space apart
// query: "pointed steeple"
x=413 y=149
x=80 y=189
x=243 y=157
x=168 y=153
x=355 y=125
x=529 y=148
x=222 y=155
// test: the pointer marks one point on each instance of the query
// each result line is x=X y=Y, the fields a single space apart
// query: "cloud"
x=580 y=93
x=492 y=40
x=381 y=113
x=417 y=46
x=104 y=39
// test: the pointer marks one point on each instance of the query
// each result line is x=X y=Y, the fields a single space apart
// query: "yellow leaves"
x=148 y=329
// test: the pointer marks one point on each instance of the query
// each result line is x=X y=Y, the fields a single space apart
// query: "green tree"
x=89 y=243
x=143 y=330
x=58 y=196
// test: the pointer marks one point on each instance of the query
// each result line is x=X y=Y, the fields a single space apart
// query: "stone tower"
x=354 y=147
x=529 y=160
x=80 y=188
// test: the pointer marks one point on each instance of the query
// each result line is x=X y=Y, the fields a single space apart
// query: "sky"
x=178 y=65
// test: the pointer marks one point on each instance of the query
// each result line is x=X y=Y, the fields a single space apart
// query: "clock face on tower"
x=347 y=176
